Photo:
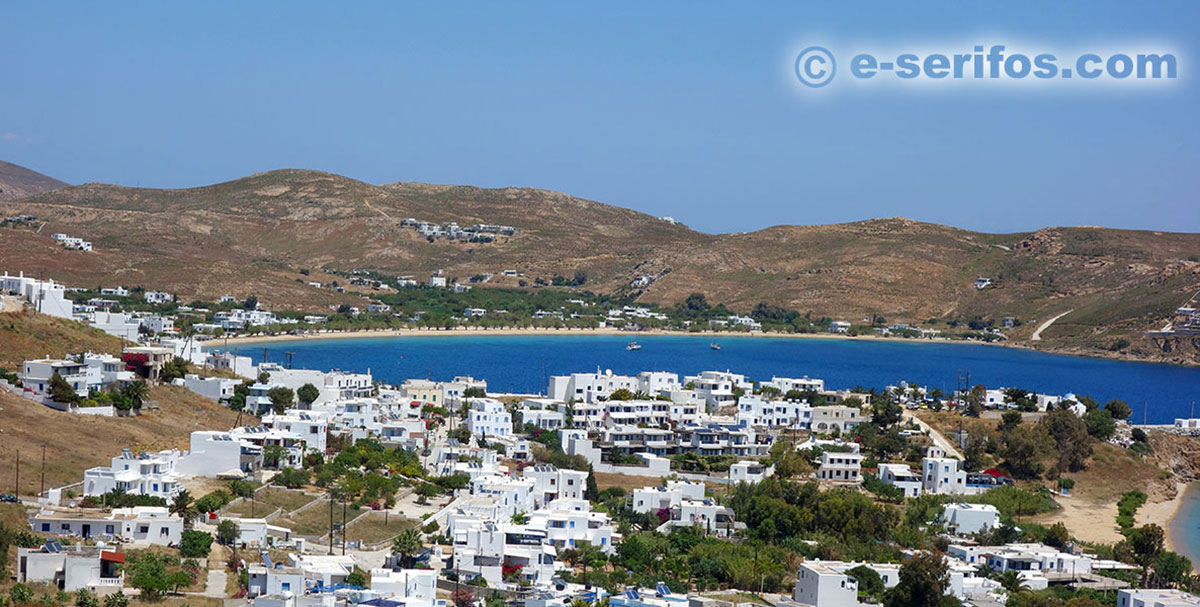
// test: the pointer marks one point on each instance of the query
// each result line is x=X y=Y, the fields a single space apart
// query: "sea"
x=1157 y=393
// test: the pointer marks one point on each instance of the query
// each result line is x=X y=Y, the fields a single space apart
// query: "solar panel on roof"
x=53 y=546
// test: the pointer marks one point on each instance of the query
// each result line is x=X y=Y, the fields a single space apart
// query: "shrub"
x=195 y=544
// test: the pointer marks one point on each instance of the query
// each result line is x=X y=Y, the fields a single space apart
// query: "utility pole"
x=43 y=482
x=330 y=523
x=343 y=526
x=17 y=483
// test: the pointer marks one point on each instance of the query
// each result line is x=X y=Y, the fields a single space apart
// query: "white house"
x=840 y=467
x=151 y=474
x=826 y=583
x=216 y=454
x=901 y=477
x=71 y=569
x=488 y=417
x=969 y=519
x=46 y=296
x=219 y=389
x=748 y=471
x=147 y=524
x=158 y=297
x=406 y=585
x=551 y=483
x=36 y=374
x=1134 y=597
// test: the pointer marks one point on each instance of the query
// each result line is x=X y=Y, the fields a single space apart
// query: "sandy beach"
x=1163 y=514
x=468 y=331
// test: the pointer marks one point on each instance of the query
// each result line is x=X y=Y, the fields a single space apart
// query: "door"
x=87 y=530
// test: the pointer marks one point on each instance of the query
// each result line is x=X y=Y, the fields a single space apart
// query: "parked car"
x=8 y=498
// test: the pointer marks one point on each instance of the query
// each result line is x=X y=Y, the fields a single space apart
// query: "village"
x=340 y=489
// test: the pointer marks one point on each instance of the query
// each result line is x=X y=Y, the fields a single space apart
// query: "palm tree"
x=407 y=546
x=1012 y=581
x=137 y=392
x=520 y=518
x=183 y=507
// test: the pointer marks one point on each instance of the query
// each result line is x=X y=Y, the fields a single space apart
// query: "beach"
x=459 y=331
x=1169 y=514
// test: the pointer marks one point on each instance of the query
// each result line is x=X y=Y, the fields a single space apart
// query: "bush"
x=195 y=544
x=20 y=594
x=291 y=478
x=116 y=599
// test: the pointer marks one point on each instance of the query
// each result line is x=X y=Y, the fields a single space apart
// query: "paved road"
x=938 y=439
x=215 y=587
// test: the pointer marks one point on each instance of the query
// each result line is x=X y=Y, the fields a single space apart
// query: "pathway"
x=1037 y=335
x=938 y=438
x=215 y=587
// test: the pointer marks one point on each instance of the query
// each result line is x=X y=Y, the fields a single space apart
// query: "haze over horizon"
x=682 y=110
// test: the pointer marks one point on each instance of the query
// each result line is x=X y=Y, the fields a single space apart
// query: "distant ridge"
x=254 y=235
x=17 y=181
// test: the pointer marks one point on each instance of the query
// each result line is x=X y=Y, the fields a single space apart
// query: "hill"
x=255 y=235
x=74 y=443
x=18 y=182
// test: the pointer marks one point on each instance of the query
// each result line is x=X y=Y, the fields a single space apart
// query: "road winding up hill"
x=254 y=235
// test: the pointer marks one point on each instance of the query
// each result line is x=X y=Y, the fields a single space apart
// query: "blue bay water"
x=523 y=363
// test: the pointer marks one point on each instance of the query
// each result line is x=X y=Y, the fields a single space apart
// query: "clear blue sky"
x=672 y=108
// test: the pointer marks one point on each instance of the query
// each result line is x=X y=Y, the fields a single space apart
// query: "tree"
x=61 y=391
x=885 y=413
x=1100 y=424
x=1172 y=569
x=407 y=546
x=195 y=544
x=356 y=578
x=1021 y=455
x=870 y=584
x=273 y=455
x=308 y=394
x=116 y=599
x=137 y=392
x=1118 y=409
x=975 y=399
x=1057 y=536
x=975 y=454
x=474 y=392
x=228 y=532
x=86 y=598
x=1009 y=420
x=183 y=507
x=1147 y=544
x=282 y=398
x=173 y=369
x=1071 y=438
x=20 y=594
x=251 y=303
x=149 y=575
x=592 y=490
x=620 y=394
x=589 y=555
x=1012 y=582
x=462 y=597
x=924 y=580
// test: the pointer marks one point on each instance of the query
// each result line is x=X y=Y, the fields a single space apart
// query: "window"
x=66 y=526
x=143 y=528
x=109 y=529
x=46 y=527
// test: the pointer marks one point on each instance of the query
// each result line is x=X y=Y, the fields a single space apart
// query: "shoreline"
x=461 y=331
x=1166 y=515
x=466 y=331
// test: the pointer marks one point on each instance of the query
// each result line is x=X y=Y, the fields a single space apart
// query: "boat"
x=714 y=346
x=633 y=345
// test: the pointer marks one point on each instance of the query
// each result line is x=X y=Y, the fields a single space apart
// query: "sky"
x=683 y=109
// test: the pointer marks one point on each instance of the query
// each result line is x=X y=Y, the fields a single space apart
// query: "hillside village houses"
x=71 y=242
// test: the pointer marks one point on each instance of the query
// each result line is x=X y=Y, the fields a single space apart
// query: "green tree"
x=620 y=394
x=974 y=400
x=407 y=546
x=924 y=580
x=885 y=413
x=20 y=594
x=183 y=507
x=273 y=455
x=282 y=398
x=1100 y=424
x=61 y=391
x=228 y=532
x=1071 y=438
x=1057 y=536
x=149 y=575
x=592 y=490
x=870 y=584
x=474 y=392
x=1009 y=420
x=1118 y=409
x=356 y=578
x=137 y=392
x=1147 y=545
x=1173 y=569
x=116 y=599
x=1012 y=582
x=1021 y=455
x=291 y=478
x=308 y=394
x=86 y=598
x=195 y=544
